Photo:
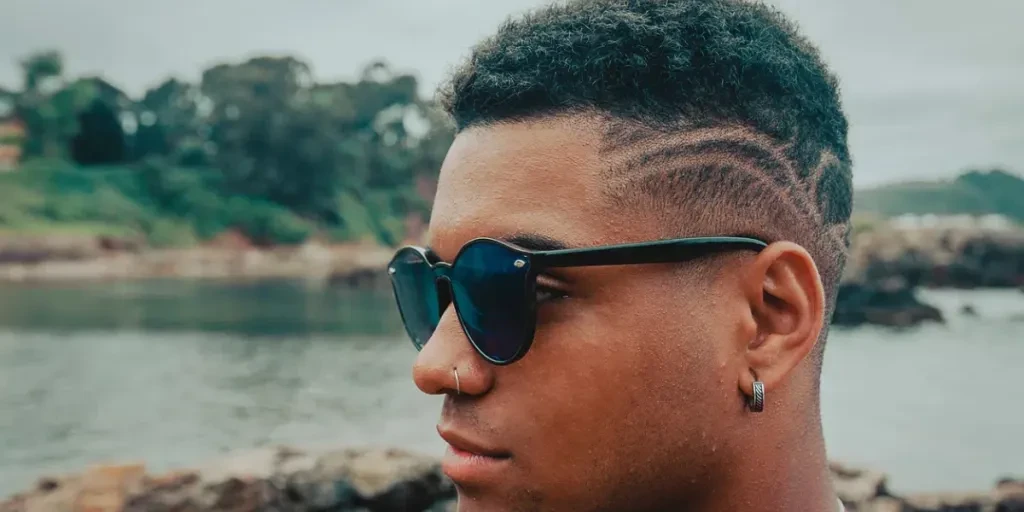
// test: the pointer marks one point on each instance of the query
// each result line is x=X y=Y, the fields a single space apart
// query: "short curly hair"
x=733 y=106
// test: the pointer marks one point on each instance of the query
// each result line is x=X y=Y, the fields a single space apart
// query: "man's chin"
x=491 y=499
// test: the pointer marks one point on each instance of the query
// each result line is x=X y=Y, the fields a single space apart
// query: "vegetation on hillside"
x=974 y=192
x=263 y=148
x=258 y=146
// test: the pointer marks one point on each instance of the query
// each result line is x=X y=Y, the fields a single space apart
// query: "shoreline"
x=944 y=257
x=86 y=262
x=382 y=480
x=887 y=264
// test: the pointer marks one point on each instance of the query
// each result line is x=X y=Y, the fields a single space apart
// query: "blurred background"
x=197 y=198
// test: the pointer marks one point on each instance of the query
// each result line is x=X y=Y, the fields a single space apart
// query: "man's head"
x=608 y=121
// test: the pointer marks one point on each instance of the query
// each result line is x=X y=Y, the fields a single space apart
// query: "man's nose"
x=447 y=353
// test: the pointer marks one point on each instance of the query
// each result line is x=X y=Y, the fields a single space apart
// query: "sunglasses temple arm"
x=668 y=251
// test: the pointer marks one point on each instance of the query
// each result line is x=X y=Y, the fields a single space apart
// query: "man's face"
x=629 y=389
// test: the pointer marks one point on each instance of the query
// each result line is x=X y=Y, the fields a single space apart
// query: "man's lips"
x=465 y=445
x=471 y=462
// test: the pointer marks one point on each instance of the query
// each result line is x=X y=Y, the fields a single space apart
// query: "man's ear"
x=787 y=302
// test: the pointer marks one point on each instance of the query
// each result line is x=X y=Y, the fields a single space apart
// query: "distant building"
x=12 y=134
x=988 y=222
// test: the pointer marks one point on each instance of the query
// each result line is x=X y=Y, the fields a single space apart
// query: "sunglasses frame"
x=534 y=262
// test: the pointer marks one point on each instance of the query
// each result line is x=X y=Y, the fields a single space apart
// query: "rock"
x=445 y=506
x=857 y=487
x=1010 y=495
x=238 y=495
x=968 y=310
x=261 y=463
x=292 y=461
x=890 y=303
x=377 y=480
x=358 y=278
x=967 y=502
x=173 y=491
x=117 y=244
x=306 y=491
x=175 y=480
x=231 y=239
x=1009 y=484
x=884 y=504
x=107 y=488
x=47 y=484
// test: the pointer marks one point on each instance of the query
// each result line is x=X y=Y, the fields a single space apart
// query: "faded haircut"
x=716 y=111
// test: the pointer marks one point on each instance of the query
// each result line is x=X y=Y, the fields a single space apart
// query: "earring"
x=756 y=403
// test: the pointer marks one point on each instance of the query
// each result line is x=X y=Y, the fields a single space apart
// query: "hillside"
x=259 y=148
x=975 y=193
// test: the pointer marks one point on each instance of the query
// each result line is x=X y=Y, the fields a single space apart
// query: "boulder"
x=890 y=303
x=381 y=480
x=855 y=486
x=968 y=310
x=1010 y=495
x=164 y=493
x=938 y=502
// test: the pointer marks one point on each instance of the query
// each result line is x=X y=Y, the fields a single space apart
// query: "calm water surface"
x=174 y=373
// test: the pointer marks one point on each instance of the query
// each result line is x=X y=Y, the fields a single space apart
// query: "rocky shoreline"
x=378 y=480
x=41 y=260
x=889 y=263
x=939 y=257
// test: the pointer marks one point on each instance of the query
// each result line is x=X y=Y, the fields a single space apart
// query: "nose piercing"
x=458 y=386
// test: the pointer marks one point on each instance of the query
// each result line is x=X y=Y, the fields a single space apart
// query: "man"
x=679 y=371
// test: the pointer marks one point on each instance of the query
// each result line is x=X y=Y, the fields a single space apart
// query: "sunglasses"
x=493 y=284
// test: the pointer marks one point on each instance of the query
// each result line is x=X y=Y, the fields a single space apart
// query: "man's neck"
x=779 y=473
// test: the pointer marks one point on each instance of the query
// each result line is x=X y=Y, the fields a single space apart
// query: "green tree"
x=41 y=76
x=170 y=124
x=39 y=68
x=100 y=139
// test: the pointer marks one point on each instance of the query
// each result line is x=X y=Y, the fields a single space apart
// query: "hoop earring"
x=756 y=402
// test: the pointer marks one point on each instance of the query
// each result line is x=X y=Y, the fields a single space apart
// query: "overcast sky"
x=930 y=86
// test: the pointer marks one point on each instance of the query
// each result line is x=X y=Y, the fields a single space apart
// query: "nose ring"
x=458 y=385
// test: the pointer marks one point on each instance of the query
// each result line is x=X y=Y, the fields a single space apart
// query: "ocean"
x=175 y=374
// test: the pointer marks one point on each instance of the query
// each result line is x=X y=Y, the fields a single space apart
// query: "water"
x=937 y=407
x=174 y=373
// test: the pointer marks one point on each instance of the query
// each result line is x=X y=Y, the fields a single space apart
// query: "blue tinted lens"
x=491 y=296
x=416 y=293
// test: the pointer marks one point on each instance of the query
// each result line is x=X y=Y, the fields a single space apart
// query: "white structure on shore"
x=987 y=222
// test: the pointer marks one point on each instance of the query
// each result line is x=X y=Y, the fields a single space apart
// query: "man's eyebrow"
x=536 y=242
